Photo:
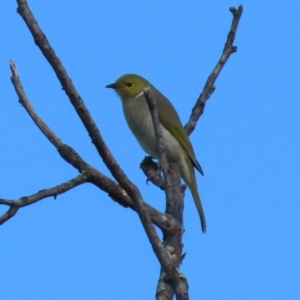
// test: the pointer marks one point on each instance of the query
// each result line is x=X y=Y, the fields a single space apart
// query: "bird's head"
x=129 y=86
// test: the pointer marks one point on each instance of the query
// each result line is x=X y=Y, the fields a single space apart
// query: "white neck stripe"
x=139 y=94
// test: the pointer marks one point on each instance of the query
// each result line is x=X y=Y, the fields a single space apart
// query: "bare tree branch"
x=160 y=143
x=209 y=87
x=42 y=42
x=174 y=207
x=71 y=156
x=126 y=193
x=67 y=85
x=173 y=239
x=42 y=194
x=116 y=192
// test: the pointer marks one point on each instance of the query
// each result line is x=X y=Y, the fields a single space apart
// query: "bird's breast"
x=138 y=117
x=139 y=120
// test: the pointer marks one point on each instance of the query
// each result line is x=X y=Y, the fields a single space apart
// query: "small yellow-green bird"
x=177 y=144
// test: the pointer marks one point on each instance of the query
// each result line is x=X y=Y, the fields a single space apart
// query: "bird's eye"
x=129 y=84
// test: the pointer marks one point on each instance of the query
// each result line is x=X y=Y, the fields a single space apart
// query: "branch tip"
x=235 y=11
x=208 y=89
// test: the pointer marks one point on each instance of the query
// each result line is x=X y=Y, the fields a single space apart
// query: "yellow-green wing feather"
x=179 y=133
x=174 y=126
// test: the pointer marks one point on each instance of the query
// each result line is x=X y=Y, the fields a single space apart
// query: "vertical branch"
x=160 y=143
x=173 y=239
x=174 y=206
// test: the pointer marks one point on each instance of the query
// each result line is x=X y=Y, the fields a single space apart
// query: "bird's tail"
x=199 y=206
x=188 y=175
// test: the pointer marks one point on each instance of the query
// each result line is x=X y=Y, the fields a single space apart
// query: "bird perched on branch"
x=177 y=145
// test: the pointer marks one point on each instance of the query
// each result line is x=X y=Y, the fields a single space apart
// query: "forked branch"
x=124 y=191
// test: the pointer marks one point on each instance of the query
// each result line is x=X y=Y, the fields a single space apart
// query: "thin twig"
x=160 y=143
x=51 y=192
x=209 y=87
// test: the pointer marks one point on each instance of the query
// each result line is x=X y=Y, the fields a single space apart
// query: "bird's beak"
x=111 y=86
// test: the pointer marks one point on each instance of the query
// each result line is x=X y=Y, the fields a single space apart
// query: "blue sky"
x=83 y=245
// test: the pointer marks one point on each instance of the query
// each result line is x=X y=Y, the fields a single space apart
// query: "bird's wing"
x=178 y=132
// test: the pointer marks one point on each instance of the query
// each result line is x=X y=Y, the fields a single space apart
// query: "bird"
x=178 y=148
